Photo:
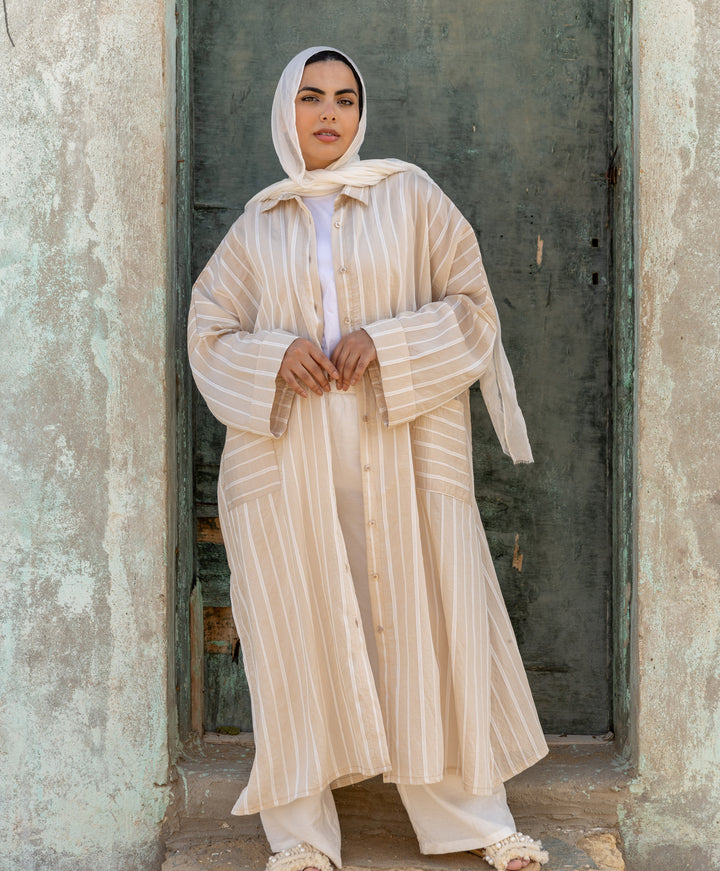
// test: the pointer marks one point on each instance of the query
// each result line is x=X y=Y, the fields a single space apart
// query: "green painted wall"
x=85 y=140
x=508 y=107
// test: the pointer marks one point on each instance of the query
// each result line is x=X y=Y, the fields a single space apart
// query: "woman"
x=335 y=331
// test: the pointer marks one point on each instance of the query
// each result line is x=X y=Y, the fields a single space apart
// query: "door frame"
x=621 y=191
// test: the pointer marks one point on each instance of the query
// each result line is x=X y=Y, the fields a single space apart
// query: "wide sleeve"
x=235 y=366
x=429 y=356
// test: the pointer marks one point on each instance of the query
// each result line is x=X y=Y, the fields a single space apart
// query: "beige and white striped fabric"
x=453 y=694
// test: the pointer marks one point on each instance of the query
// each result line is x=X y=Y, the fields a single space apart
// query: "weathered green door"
x=506 y=104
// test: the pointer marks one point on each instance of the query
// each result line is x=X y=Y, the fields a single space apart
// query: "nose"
x=328 y=114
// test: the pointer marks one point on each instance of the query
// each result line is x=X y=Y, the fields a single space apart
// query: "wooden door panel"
x=505 y=104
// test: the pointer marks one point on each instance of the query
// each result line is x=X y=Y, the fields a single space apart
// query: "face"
x=327 y=112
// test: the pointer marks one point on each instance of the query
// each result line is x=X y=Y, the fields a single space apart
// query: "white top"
x=321 y=208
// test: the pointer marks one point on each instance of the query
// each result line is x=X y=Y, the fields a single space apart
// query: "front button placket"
x=374 y=527
x=349 y=307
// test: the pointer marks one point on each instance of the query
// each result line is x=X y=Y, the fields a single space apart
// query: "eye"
x=308 y=98
x=346 y=101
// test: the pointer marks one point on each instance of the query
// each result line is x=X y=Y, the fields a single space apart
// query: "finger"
x=367 y=353
x=346 y=366
x=312 y=378
x=325 y=363
x=308 y=366
x=301 y=351
x=306 y=381
x=347 y=353
x=293 y=383
x=321 y=370
x=361 y=365
x=337 y=350
x=335 y=359
x=350 y=371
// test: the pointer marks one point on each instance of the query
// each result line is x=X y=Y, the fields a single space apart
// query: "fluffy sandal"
x=517 y=846
x=299 y=858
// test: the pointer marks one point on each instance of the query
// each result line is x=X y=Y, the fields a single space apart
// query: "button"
x=337 y=224
x=343 y=269
x=375 y=576
x=380 y=629
x=366 y=418
x=366 y=467
x=348 y=321
x=371 y=523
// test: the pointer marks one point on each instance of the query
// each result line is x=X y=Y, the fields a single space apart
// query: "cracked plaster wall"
x=84 y=212
x=83 y=444
x=673 y=820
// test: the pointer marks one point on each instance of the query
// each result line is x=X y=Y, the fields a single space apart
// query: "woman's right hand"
x=305 y=366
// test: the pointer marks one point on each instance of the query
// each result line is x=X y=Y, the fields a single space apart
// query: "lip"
x=326 y=135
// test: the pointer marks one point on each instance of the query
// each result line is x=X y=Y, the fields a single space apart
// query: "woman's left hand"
x=351 y=357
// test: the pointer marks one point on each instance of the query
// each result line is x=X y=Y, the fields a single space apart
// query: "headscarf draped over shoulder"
x=347 y=170
x=496 y=382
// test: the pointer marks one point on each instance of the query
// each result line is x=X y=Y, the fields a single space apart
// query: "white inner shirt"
x=321 y=208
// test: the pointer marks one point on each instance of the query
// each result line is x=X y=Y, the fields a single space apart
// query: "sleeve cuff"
x=392 y=377
x=272 y=402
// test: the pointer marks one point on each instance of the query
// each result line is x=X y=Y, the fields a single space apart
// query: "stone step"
x=570 y=799
x=388 y=853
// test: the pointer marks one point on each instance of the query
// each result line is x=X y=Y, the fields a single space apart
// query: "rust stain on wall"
x=517 y=556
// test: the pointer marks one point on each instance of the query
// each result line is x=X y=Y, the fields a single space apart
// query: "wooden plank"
x=197 y=665
x=184 y=399
x=227 y=697
x=623 y=416
x=214 y=572
x=219 y=631
x=208 y=530
x=226 y=702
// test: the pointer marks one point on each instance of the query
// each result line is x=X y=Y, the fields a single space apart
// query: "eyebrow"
x=320 y=90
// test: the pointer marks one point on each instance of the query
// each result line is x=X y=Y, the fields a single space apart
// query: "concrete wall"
x=86 y=149
x=673 y=822
x=85 y=141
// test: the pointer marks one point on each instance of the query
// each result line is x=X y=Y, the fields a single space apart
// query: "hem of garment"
x=241 y=809
x=468 y=844
x=356 y=776
x=507 y=772
x=389 y=777
x=412 y=780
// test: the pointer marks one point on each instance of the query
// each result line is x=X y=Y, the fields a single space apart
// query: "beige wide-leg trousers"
x=445 y=817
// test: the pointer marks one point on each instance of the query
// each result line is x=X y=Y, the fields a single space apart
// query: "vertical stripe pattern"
x=453 y=695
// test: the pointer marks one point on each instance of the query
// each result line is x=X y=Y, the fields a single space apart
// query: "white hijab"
x=346 y=170
x=496 y=383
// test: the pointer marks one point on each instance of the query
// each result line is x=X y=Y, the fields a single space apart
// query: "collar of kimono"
x=347 y=172
x=361 y=194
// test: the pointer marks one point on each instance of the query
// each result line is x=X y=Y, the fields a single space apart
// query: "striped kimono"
x=453 y=696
